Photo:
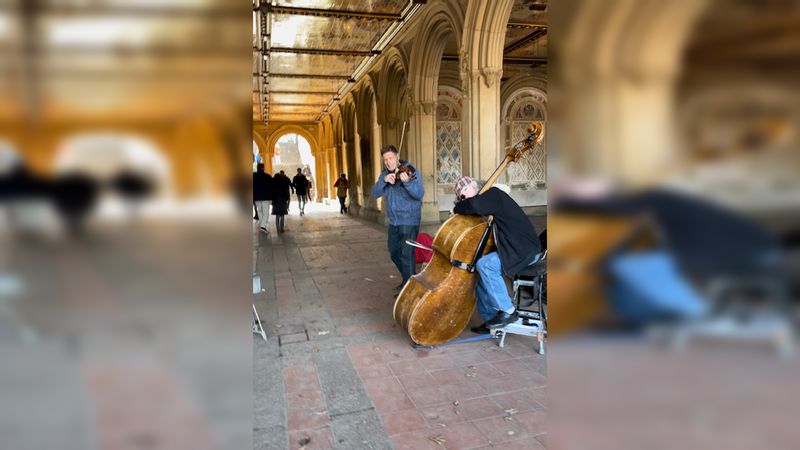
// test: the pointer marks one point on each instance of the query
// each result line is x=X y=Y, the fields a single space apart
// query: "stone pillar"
x=353 y=170
x=320 y=187
x=333 y=172
x=482 y=139
x=481 y=59
x=359 y=173
x=421 y=137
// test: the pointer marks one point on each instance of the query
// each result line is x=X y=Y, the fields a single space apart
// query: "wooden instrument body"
x=436 y=305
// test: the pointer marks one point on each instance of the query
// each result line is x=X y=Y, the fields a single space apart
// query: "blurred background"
x=673 y=265
x=125 y=160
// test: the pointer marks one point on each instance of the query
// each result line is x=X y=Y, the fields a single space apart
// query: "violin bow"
x=402 y=136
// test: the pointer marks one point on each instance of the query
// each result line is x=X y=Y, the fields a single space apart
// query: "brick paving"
x=348 y=377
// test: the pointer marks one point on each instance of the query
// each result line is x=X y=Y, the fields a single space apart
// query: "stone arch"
x=516 y=84
x=450 y=76
x=483 y=37
x=293 y=129
x=393 y=88
x=365 y=104
x=442 y=21
x=348 y=108
x=337 y=131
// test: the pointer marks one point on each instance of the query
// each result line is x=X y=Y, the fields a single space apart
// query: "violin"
x=412 y=174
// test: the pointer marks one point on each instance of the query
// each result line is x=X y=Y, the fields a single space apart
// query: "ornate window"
x=524 y=108
x=448 y=138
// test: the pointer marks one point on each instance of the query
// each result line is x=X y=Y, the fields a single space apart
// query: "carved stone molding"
x=464 y=72
x=491 y=75
x=426 y=108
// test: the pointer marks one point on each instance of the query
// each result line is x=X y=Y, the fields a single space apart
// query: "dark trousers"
x=342 y=207
x=401 y=253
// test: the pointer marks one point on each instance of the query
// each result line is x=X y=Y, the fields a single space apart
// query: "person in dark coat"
x=280 y=202
x=262 y=196
x=301 y=185
x=518 y=247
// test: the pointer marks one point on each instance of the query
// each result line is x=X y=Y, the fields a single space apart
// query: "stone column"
x=482 y=139
x=481 y=59
x=421 y=137
x=353 y=170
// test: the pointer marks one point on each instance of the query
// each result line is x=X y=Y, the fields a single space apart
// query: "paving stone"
x=360 y=430
x=341 y=385
x=290 y=338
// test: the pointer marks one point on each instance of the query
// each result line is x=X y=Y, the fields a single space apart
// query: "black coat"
x=280 y=201
x=514 y=234
x=262 y=186
x=300 y=183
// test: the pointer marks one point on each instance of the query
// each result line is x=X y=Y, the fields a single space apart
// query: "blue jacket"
x=403 y=200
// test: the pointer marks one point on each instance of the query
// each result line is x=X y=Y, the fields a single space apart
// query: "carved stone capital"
x=491 y=75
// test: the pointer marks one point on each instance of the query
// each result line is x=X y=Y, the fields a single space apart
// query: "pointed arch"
x=442 y=22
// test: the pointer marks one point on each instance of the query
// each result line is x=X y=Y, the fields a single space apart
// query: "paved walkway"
x=337 y=372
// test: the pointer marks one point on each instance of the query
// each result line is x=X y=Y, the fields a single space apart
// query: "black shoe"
x=480 y=329
x=502 y=319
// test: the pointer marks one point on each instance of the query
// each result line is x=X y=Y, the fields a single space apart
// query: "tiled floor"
x=348 y=377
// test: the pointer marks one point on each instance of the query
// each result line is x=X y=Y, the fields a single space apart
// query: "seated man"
x=517 y=246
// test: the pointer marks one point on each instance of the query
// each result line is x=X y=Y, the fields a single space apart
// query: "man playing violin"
x=401 y=187
x=517 y=245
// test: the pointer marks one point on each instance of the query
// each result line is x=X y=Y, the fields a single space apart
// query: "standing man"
x=262 y=196
x=517 y=245
x=402 y=193
x=341 y=186
x=301 y=186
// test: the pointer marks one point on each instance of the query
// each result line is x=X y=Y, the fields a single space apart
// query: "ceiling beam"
x=302 y=92
x=298 y=104
x=335 y=13
x=506 y=60
x=533 y=37
x=307 y=76
x=319 y=51
x=525 y=25
x=126 y=11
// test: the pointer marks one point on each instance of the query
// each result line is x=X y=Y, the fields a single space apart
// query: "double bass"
x=436 y=304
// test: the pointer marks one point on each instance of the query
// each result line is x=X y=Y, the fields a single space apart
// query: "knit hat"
x=462 y=183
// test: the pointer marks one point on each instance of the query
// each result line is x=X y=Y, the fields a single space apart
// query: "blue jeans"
x=401 y=253
x=491 y=291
